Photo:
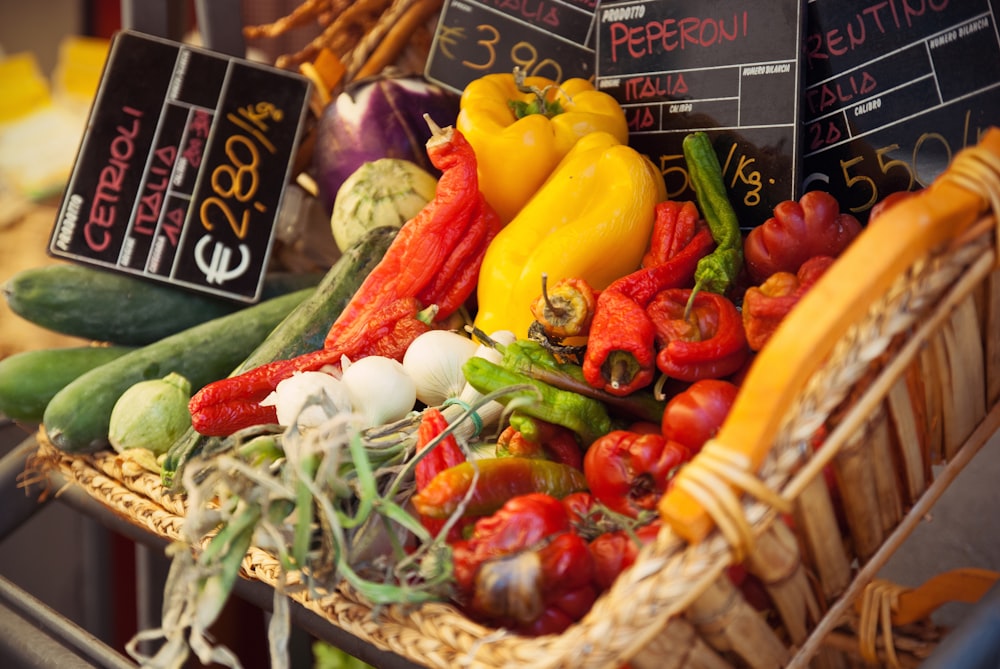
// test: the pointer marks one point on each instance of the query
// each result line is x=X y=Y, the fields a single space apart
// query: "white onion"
x=434 y=361
x=380 y=390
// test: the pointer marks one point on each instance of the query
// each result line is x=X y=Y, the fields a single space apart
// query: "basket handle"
x=843 y=295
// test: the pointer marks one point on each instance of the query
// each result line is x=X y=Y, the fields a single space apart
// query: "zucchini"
x=302 y=331
x=30 y=379
x=89 y=303
x=76 y=419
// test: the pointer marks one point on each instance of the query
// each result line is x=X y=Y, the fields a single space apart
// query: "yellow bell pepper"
x=521 y=127
x=592 y=219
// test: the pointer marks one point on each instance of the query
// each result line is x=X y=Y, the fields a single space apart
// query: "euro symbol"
x=218 y=270
x=450 y=38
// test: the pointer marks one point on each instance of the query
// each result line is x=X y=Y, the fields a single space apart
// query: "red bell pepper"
x=707 y=343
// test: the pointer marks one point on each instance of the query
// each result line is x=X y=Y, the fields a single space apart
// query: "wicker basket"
x=907 y=376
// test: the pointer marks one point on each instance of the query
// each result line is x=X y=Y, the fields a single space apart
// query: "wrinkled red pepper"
x=628 y=471
x=547 y=440
x=524 y=568
x=499 y=480
x=812 y=226
x=620 y=356
x=433 y=261
x=766 y=305
x=709 y=343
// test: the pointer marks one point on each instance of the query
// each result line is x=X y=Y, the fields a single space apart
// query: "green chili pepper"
x=585 y=416
x=716 y=271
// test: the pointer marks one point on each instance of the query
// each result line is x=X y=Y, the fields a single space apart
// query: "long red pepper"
x=433 y=260
x=708 y=344
x=621 y=354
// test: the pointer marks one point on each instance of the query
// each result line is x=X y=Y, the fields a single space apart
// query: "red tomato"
x=615 y=551
x=629 y=471
x=693 y=416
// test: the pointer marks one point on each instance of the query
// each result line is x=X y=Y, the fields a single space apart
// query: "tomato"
x=629 y=471
x=695 y=415
x=615 y=551
x=798 y=230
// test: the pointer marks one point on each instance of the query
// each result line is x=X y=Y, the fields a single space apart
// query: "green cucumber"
x=89 y=303
x=76 y=419
x=302 y=331
x=30 y=379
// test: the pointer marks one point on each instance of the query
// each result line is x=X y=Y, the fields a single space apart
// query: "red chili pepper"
x=813 y=226
x=444 y=454
x=708 y=344
x=499 y=480
x=620 y=356
x=628 y=471
x=766 y=305
x=694 y=415
x=434 y=261
x=524 y=568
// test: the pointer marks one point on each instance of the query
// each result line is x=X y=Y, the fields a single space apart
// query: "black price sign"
x=181 y=172
x=546 y=38
x=893 y=90
x=731 y=69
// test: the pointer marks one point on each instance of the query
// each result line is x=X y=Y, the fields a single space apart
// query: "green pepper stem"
x=690 y=300
x=537 y=106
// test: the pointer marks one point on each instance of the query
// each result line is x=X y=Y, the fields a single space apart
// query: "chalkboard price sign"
x=181 y=172
x=729 y=68
x=893 y=91
x=547 y=38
